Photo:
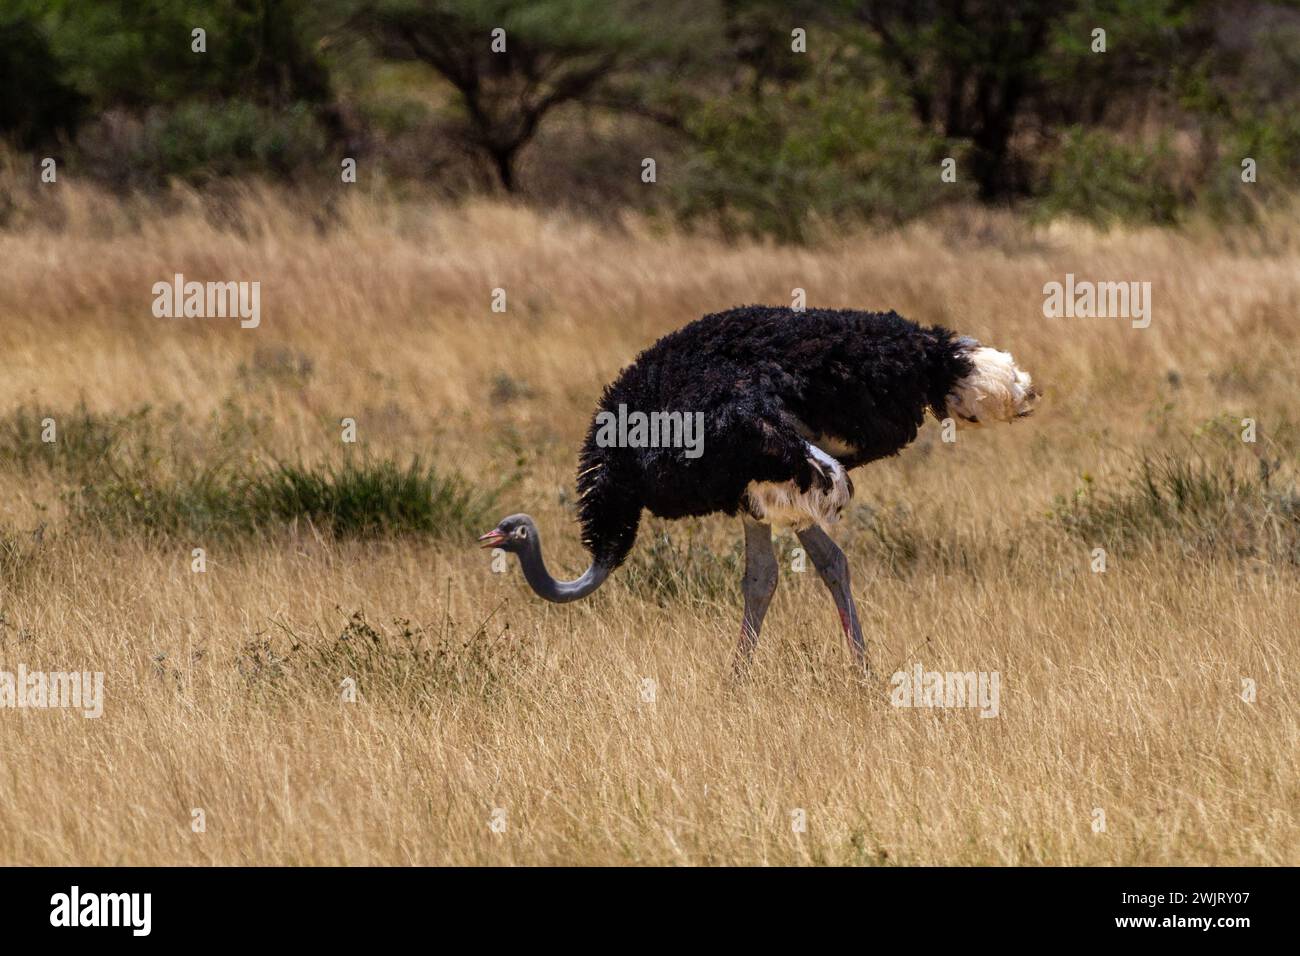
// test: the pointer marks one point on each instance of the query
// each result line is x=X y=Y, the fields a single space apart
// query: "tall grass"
x=674 y=566
x=1199 y=504
x=153 y=472
x=361 y=498
x=358 y=498
x=401 y=663
x=73 y=443
x=1121 y=691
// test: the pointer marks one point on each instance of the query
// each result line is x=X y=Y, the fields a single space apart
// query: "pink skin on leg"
x=848 y=635
x=744 y=652
x=748 y=640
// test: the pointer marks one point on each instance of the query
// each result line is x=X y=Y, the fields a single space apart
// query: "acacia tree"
x=512 y=63
x=968 y=67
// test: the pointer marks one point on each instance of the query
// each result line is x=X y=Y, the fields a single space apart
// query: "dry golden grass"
x=1120 y=691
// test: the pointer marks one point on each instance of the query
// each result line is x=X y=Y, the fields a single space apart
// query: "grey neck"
x=558 y=592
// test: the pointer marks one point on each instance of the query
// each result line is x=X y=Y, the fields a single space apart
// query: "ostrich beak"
x=492 y=539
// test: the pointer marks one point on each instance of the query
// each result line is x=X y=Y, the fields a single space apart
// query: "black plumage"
x=767 y=381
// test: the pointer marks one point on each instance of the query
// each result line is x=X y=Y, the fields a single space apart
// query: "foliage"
x=776 y=167
x=748 y=132
x=1098 y=178
x=511 y=63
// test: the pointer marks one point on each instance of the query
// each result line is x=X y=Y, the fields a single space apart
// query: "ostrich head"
x=518 y=535
x=996 y=389
x=515 y=534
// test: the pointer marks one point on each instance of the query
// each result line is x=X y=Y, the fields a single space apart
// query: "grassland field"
x=492 y=728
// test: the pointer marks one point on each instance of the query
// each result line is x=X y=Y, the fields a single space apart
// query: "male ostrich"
x=791 y=401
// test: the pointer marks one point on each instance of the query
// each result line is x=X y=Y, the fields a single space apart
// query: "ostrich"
x=790 y=402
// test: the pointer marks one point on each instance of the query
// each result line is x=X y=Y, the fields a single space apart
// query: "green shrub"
x=1099 y=179
x=199 y=141
x=202 y=142
x=1272 y=139
x=838 y=155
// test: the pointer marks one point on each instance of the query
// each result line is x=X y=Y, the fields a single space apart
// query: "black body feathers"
x=767 y=381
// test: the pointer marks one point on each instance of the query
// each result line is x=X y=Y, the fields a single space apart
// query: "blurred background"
x=764 y=118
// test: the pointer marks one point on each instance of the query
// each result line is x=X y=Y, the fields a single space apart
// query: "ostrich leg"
x=834 y=570
x=758 y=586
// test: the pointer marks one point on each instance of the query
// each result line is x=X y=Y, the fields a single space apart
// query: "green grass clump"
x=1198 y=504
x=369 y=498
x=203 y=502
x=160 y=472
x=83 y=441
x=359 y=498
